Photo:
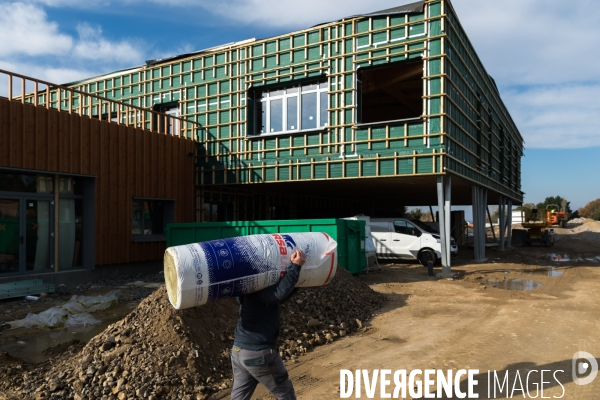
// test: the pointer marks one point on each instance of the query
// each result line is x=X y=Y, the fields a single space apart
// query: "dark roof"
x=415 y=7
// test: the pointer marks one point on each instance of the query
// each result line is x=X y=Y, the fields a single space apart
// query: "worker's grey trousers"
x=264 y=366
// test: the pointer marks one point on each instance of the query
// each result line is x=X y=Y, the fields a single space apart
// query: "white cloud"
x=33 y=45
x=92 y=46
x=24 y=29
x=291 y=14
x=557 y=117
x=534 y=41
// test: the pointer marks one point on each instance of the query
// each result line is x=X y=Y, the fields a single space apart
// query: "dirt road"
x=467 y=323
x=475 y=321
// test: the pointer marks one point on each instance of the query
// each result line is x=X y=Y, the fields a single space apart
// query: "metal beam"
x=509 y=220
x=501 y=220
x=445 y=238
x=479 y=196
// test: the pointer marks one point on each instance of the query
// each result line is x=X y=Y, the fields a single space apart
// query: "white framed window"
x=292 y=108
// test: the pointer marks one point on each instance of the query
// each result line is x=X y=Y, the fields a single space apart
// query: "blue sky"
x=542 y=54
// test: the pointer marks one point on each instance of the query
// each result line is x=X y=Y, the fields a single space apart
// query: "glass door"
x=39 y=235
x=10 y=235
x=26 y=235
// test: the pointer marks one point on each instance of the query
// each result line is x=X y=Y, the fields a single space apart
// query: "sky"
x=542 y=54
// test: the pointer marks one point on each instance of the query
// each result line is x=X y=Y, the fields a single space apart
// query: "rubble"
x=158 y=352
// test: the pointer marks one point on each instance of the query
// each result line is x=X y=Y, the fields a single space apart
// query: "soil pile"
x=158 y=352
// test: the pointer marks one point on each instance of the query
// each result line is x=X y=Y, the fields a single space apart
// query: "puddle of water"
x=559 y=258
x=515 y=284
x=31 y=349
x=550 y=271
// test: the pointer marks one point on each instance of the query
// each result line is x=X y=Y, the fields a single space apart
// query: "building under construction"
x=367 y=114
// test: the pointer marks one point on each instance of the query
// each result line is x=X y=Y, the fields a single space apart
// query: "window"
x=405 y=228
x=390 y=93
x=171 y=109
x=400 y=227
x=289 y=109
x=149 y=219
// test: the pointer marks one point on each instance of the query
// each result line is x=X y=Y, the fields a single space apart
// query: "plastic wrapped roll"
x=202 y=272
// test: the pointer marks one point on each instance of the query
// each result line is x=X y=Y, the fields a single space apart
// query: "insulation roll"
x=202 y=272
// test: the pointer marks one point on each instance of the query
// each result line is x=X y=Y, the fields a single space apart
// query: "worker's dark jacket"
x=258 y=326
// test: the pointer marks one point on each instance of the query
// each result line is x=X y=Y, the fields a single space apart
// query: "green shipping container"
x=349 y=234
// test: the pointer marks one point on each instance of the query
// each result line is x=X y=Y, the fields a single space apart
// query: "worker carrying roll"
x=202 y=272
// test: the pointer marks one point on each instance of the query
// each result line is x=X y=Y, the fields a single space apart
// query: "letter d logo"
x=582 y=368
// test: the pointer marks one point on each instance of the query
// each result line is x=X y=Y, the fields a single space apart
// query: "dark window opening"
x=149 y=218
x=390 y=93
x=218 y=212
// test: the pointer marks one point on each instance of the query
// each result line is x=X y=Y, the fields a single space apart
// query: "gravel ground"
x=158 y=352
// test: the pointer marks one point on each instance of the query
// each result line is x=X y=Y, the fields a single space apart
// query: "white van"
x=407 y=239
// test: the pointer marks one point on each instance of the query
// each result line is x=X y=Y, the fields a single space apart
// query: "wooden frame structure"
x=464 y=130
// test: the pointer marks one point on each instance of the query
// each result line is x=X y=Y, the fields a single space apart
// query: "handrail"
x=94 y=106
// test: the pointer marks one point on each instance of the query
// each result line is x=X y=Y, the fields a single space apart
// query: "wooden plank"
x=176 y=177
x=125 y=209
x=95 y=149
x=29 y=137
x=4 y=132
x=139 y=162
x=96 y=170
x=85 y=139
x=64 y=142
x=131 y=178
x=113 y=193
x=161 y=166
x=53 y=139
x=170 y=169
x=147 y=164
x=41 y=137
x=103 y=205
x=153 y=156
x=75 y=145
x=16 y=135
x=191 y=192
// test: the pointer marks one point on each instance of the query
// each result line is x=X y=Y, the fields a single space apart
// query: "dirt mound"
x=587 y=225
x=159 y=352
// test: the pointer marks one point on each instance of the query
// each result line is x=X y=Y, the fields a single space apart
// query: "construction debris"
x=25 y=288
x=159 y=352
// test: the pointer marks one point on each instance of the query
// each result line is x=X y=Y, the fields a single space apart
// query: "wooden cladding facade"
x=126 y=162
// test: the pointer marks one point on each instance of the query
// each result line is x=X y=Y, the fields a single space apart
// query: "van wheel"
x=427 y=255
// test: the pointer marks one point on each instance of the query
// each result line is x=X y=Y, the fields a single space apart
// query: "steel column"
x=479 y=197
x=442 y=221
x=509 y=220
x=445 y=238
x=501 y=220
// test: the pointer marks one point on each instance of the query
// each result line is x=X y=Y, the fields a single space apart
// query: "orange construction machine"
x=556 y=216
